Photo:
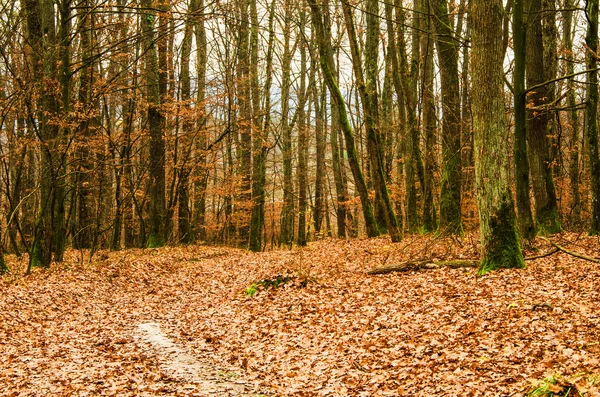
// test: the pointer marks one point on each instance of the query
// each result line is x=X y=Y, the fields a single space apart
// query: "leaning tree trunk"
x=326 y=59
x=499 y=238
x=367 y=88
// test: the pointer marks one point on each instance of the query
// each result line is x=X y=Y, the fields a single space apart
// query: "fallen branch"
x=554 y=251
x=420 y=265
x=572 y=253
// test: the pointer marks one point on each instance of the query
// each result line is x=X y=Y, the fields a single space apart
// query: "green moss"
x=502 y=250
x=155 y=241
x=548 y=221
x=38 y=256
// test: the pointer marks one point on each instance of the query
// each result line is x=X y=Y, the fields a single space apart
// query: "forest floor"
x=181 y=321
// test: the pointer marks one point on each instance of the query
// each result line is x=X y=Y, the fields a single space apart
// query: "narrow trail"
x=181 y=366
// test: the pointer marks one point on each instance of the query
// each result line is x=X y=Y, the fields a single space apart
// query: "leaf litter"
x=333 y=330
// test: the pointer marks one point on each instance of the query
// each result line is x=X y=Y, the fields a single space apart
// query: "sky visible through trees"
x=260 y=124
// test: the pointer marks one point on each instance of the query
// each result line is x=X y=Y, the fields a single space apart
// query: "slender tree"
x=327 y=65
x=525 y=218
x=447 y=49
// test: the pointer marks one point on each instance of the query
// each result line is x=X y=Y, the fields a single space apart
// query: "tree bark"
x=499 y=238
x=591 y=62
x=546 y=207
x=525 y=218
x=450 y=195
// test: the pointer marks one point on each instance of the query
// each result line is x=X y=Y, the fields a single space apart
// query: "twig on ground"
x=572 y=253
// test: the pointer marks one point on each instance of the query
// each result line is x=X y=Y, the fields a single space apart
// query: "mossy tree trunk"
x=591 y=41
x=287 y=212
x=538 y=142
x=156 y=235
x=41 y=36
x=429 y=118
x=525 y=217
x=450 y=195
x=318 y=94
x=499 y=237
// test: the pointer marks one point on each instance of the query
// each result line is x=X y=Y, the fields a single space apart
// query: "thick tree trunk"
x=499 y=237
x=152 y=74
x=41 y=34
x=591 y=62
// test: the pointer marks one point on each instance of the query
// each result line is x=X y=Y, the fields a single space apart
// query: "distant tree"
x=591 y=62
x=327 y=65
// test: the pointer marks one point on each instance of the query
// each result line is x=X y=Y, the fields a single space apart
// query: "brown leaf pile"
x=331 y=331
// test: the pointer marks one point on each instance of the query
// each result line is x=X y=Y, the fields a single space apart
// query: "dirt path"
x=177 y=363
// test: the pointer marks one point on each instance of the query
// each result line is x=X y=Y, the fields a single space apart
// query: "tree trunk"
x=525 y=218
x=326 y=59
x=302 y=170
x=367 y=89
x=245 y=124
x=591 y=62
x=450 y=204
x=41 y=36
x=262 y=128
x=429 y=119
x=287 y=213
x=573 y=119
x=546 y=207
x=152 y=74
x=499 y=238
